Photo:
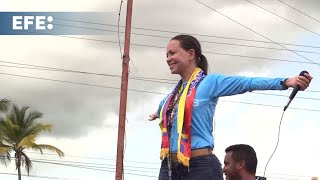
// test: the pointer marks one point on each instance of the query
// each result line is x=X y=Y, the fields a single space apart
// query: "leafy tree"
x=18 y=132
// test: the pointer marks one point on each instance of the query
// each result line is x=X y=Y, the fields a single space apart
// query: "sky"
x=85 y=118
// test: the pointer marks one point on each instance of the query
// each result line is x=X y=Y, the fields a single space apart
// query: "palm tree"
x=4 y=155
x=18 y=132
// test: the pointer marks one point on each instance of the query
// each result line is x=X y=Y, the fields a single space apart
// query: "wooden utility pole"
x=123 y=95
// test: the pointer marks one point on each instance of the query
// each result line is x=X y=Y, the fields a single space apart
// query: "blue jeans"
x=201 y=168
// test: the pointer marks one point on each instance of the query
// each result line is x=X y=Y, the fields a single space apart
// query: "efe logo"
x=38 y=22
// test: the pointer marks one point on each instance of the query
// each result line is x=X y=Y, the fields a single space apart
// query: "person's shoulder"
x=214 y=76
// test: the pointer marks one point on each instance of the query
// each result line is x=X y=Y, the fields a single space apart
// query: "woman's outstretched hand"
x=153 y=117
x=301 y=81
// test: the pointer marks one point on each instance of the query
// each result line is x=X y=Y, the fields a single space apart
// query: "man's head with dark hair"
x=240 y=161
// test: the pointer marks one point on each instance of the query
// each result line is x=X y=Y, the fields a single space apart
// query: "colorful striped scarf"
x=184 y=119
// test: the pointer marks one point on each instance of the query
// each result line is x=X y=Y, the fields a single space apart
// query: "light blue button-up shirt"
x=208 y=92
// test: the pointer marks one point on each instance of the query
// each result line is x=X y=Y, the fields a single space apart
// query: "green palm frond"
x=4 y=104
x=27 y=141
x=37 y=128
x=9 y=130
x=2 y=119
x=26 y=162
x=48 y=147
x=5 y=155
x=9 y=125
x=4 y=152
x=5 y=158
x=18 y=115
x=4 y=149
x=33 y=115
x=13 y=115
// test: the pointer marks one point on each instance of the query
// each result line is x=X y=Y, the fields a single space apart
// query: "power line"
x=98 y=168
x=216 y=53
x=283 y=18
x=299 y=11
x=269 y=94
x=89 y=157
x=46 y=68
x=260 y=58
x=63 y=178
x=41 y=177
x=155 y=80
x=98 y=165
x=313 y=91
x=281 y=178
x=92 y=168
x=253 y=31
x=177 y=32
x=251 y=46
x=78 y=83
x=282 y=174
x=105 y=167
x=108 y=87
x=268 y=105
x=119 y=15
x=211 y=42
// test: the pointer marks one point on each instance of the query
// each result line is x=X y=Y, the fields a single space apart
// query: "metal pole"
x=123 y=95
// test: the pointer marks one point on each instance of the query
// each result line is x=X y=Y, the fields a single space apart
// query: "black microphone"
x=294 y=91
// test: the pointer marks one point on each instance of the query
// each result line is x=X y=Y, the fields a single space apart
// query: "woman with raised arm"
x=186 y=114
